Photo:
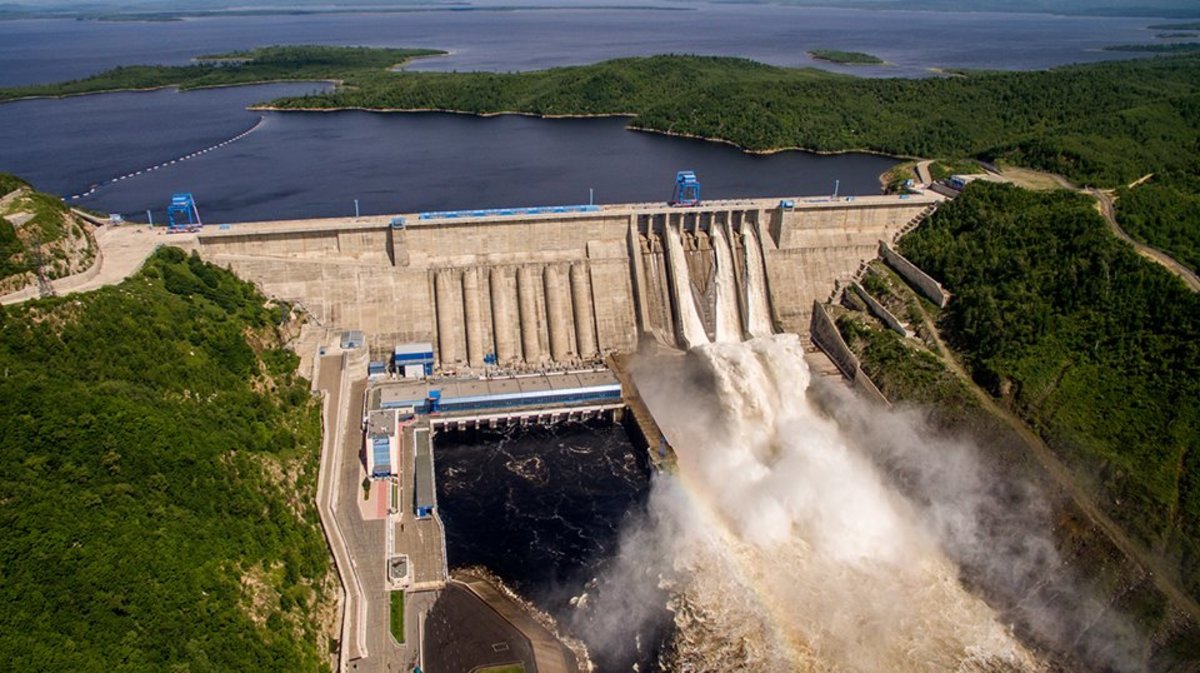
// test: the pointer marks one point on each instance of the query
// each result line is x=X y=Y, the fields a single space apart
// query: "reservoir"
x=494 y=35
x=316 y=164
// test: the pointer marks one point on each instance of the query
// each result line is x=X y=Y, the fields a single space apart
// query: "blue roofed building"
x=381 y=444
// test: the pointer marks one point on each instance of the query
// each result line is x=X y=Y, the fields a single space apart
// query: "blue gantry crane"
x=687 y=189
x=182 y=215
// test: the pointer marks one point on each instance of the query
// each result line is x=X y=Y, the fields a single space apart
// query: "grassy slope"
x=142 y=530
x=1093 y=346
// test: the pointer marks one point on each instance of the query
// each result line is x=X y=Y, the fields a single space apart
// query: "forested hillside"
x=158 y=460
x=1165 y=213
x=1105 y=123
x=1095 y=347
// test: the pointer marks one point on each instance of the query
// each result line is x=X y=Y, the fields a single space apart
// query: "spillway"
x=691 y=327
x=758 y=307
x=729 y=320
x=799 y=555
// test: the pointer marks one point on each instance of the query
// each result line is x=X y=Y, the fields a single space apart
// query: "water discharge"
x=758 y=310
x=789 y=550
x=691 y=327
x=729 y=321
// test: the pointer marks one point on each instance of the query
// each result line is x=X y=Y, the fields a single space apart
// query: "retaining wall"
x=879 y=311
x=914 y=276
x=825 y=335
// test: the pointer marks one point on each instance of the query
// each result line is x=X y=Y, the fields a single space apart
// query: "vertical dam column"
x=581 y=299
x=473 y=315
x=502 y=318
x=527 y=304
x=729 y=319
x=691 y=328
x=449 y=317
x=758 y=307
x=556 y=316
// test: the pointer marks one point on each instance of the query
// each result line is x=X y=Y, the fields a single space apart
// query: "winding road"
x=1104 y=203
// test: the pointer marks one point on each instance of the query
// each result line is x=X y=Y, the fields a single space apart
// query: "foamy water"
x=790 y=550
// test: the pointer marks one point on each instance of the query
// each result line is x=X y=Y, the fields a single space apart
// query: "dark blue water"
x=51 y=50
x=299 y=165
x=544 y=508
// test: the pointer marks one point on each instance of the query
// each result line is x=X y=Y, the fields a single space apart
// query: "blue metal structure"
x=687 y=189
x=381 y=463
x=436 y=402
x=414 y=354
x=538 y=210
x=182 y=214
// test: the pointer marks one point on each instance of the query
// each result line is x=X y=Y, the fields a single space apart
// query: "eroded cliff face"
x=37 y=228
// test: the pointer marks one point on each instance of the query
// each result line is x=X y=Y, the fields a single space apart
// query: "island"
x=845 y=57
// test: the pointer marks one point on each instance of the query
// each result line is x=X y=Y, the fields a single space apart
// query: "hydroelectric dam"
x=436 y=322
x=529 y=292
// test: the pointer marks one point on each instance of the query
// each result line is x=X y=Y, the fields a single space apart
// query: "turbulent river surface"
x=775 y=546
x=543 y=509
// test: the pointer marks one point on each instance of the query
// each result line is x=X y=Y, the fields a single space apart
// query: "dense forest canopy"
x=157 y=465
x=1094 y=346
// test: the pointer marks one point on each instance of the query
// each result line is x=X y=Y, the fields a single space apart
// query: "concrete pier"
x=581 y=301
x=474 y=317
x=527 y=306
x=502 y=318
x=557 y=323
x=449 y=317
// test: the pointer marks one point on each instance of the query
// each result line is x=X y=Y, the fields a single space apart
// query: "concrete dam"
x=562 y=289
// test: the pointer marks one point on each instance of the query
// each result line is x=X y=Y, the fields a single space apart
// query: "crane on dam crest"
x=687 y=189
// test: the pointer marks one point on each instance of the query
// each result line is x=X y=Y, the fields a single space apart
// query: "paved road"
x=332 y=372
x=365 y=541
x=923 y=175
x=1104 y=202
